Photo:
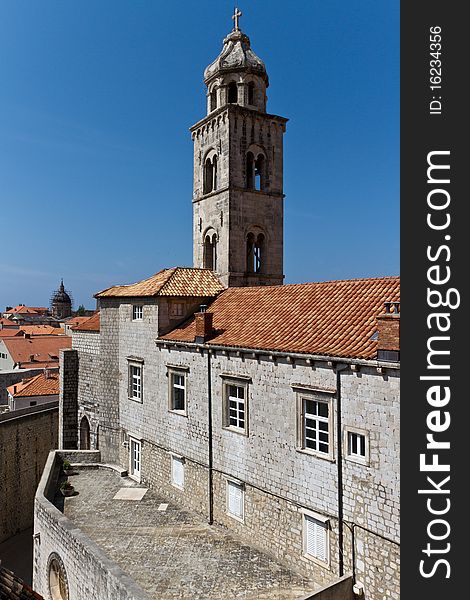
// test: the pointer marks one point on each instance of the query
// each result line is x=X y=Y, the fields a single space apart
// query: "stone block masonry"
x=26 y=437
x=68 y=425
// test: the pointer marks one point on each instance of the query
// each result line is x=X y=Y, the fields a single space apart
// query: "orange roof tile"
x=178 y=281
x=13 y=587
x=7 y=322
x=89 y=323
x=74 y=321
x=39 y=385
x=43 y=348
x=42 y=330
x=38 y=310
x=332 y=318
x=10 y=332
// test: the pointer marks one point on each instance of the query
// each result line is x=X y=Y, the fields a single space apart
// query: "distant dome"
x=61 y=295
x=236 y=55
x=61 y=303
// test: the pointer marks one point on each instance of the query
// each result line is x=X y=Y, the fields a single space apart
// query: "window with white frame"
x=316 y=542
x=137 y=312
x=135 y=381
x=177 y=380
x=357 y=445
x=316 y=425
x=235 y=499
x=236 y=405
x=177 y=471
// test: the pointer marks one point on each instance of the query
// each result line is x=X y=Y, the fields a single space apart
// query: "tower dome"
x=237 y=75
x=236 y=56
x=61 y=303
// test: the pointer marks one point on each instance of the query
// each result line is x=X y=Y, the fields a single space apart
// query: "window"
x=235 y=406
x=316 y=426
x=134 y=458
x=135 y=382
x=213 y=100
x=255 y=172
x=255 y=253
x=137 y=312
x=316 y=538
x=177 y=391
x=357 y=445
x=58 y=587
x=232 y=93
x=177 y=309
x=210 y=173
x=210 y=250
x=235 y=500
x=177 y=471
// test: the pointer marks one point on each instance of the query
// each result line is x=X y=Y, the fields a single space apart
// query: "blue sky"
x=96 y=157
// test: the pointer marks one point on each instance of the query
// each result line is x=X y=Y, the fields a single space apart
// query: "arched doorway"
x=84 y=434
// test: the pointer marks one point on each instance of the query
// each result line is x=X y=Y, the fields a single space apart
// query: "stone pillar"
x=68 y=400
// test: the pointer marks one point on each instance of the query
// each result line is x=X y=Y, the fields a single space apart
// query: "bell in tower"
x=238 y=161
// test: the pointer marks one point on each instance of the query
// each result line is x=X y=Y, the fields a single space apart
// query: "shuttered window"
x=177 y=471
x=316 y=538
x=235 y=499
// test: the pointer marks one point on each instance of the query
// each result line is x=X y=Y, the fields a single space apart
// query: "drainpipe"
x=340 y=368
x=209 y=427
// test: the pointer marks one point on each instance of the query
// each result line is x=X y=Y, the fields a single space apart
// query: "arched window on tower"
x=210 y=251
x=259 y=173
x=232 y=93
x=213 y=99
x=251 y=93
x=250 y=164
x=210 y=174
x=255 y=253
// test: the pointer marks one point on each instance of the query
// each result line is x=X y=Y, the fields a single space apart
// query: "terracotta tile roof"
x=7 y=322
x=332 y=318
x=42 y=330
x=178 y=281
x=20 y=309
x=13 y=588
x=39 y=385
x=44 y=349
x=89 y=324
x=10 y=332
x=74 y=321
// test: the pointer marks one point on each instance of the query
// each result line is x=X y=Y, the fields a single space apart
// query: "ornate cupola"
x=238 y=162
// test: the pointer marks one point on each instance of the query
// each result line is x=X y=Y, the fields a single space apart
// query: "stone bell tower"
x=238 y=162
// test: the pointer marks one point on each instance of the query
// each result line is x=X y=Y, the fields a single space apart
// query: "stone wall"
x=281 y=480
x=68 y=390
x=26 y=437
x=56 y=536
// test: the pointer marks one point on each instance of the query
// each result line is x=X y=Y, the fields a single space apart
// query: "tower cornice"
x=239 y=110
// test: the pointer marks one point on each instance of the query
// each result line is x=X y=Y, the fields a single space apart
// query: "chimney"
x=203 y=325
x=388 y=324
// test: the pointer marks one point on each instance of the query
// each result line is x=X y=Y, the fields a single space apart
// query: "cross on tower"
x=236 y=15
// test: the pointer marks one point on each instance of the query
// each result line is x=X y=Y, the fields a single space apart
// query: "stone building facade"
x=271 y=409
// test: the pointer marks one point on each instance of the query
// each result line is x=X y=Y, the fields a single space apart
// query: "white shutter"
x=315 y=538
x=177 y=471
x=235 y=499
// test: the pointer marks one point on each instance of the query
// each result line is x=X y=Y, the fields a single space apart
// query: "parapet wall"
x=56 y=537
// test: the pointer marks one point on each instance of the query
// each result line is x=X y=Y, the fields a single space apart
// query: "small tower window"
x=210 y=174
x=213 y=100
x=251 y=93
x=210 y=251
x=259 y=173
x=232 y=93
x=254 y=253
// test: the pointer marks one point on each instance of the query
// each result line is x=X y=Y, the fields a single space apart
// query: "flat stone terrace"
x=172 y=553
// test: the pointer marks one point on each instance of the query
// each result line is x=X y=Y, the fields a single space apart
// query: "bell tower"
x=238 y=162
